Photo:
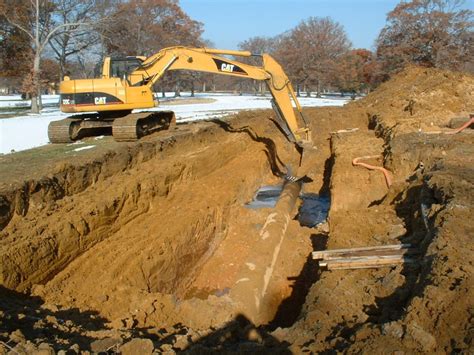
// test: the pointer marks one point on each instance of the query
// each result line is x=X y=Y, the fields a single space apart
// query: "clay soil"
x=135 y=247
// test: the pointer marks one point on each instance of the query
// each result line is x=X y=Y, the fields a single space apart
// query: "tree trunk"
x=62 y=66
x=36 y=103
x=192 y=87
x=298 y=92
x=177 y=92
x=318 y=94
x=203 y=86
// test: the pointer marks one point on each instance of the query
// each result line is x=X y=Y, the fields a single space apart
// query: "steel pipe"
x=250 y=290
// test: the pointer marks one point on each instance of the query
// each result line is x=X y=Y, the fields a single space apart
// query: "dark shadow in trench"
x=290 y=309
x=419 y=234
x=325 y=189
x=270 y=146
x=37 y=324
x=238 y=336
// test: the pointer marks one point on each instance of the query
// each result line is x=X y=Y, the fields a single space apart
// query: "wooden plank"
x=364 y=263
x=368 y=253
x=359 y=259
x=359 y=267
x=320 y=254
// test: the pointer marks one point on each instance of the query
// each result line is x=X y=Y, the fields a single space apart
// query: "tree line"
x=43 y=40
x=318 y=55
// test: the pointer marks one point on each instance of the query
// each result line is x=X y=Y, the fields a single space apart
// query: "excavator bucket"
x=307 y=160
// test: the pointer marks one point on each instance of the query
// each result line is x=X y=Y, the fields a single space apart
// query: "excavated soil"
x=135 y=247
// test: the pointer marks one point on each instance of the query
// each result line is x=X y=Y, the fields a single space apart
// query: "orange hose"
x=386 y=173
x=464 y=126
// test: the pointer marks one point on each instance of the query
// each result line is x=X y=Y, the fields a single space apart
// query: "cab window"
x=123 y=67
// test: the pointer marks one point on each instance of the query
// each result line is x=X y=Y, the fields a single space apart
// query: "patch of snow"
x=26 y=132
x=84 y=148
x=75 y=143
x=229 y=104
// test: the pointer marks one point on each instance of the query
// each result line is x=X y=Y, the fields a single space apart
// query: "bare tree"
x=434 y=33
x=257 y=45
x=139 y=27
x=74 y=39
x=35 y=19
x=310 y=51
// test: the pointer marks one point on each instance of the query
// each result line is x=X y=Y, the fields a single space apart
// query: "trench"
x=140 y=233
x=152 y=237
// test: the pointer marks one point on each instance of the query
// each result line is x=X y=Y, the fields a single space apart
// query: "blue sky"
x=228 y=22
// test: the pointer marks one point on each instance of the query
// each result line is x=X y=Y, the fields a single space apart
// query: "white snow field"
x=31 y=130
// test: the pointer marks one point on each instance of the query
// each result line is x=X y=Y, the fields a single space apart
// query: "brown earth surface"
x=136 y=247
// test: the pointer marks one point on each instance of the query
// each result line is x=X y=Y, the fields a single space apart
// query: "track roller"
x=136 y=125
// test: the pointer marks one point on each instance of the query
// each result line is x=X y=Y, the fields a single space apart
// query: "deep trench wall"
x=433 y=194
x=69 y=179
x=54 y=220
x=435 y=202
x=48 y=226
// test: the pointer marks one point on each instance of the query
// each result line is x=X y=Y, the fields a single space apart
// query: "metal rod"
x=227 y=52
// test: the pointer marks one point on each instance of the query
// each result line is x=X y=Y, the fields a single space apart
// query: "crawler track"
x=124 y=129
x=63 y=131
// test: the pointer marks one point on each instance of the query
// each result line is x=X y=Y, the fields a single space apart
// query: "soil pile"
x=420 y=99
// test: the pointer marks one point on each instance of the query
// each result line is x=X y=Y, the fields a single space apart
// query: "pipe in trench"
x=250 y=290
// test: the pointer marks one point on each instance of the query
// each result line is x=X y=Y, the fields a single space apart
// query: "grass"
x=37 y=162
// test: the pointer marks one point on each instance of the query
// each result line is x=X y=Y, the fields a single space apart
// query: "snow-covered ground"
x=30 y=130
x=15 y=101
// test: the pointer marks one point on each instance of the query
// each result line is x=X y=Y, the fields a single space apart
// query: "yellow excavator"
x=126 y=84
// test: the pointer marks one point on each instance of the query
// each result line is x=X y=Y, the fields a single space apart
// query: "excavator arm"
x=208 y=60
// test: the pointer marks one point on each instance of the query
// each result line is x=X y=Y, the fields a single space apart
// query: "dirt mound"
x=420 y=99
x=137 y=246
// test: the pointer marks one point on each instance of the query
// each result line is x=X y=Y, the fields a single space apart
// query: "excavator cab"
x=123 y=67
x=117 y=67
